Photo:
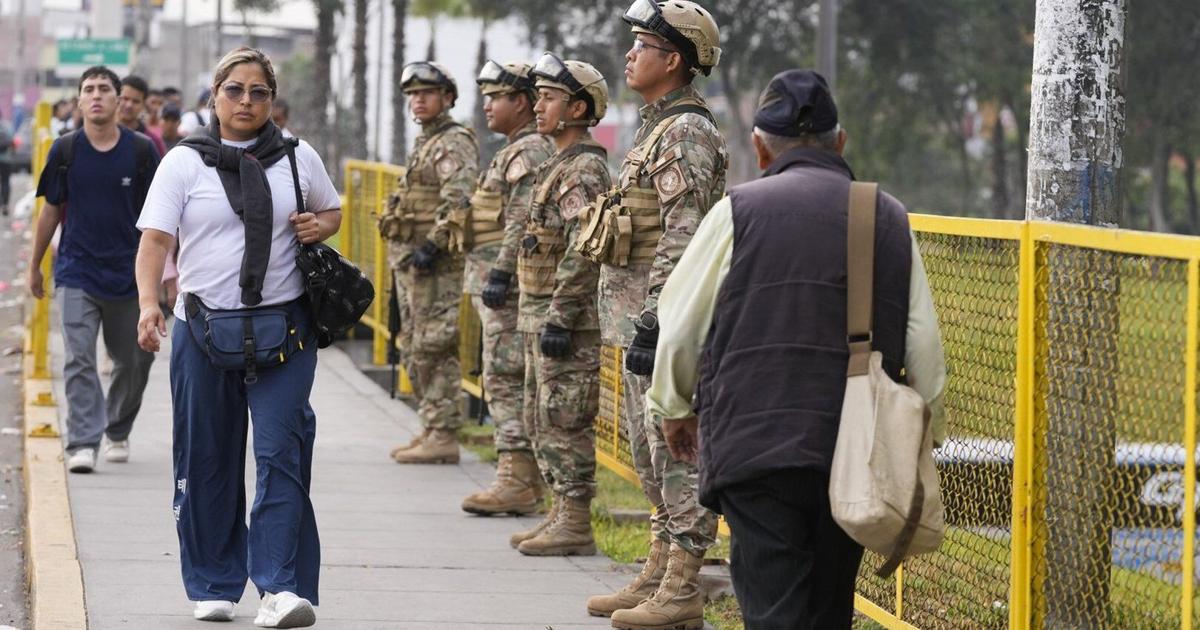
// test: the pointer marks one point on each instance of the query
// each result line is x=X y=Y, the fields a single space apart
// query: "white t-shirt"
x=193 y=120
x=187 y=197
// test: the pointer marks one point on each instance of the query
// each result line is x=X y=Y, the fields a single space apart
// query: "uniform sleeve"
x=924 y=361
x=685 y=313
x=49 y=183
x=457 y=167
x=516 y=214
x=685 y=187
x=577 y=278
x=169 y=191
x=322 y=195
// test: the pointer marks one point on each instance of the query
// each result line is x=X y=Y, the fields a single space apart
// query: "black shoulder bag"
x=338 y=292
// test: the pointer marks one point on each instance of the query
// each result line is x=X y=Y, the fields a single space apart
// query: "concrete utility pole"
x=18 y=77
x=184 y=81
x=219 y=26
x=827 y=46
x=1075 y=160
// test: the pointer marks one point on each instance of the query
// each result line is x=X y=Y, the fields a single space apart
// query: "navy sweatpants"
x=280 y=551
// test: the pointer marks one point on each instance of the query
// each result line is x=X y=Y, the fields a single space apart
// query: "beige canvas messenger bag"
x=883 y=486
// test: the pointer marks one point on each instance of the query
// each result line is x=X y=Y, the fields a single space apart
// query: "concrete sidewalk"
x=397 y=551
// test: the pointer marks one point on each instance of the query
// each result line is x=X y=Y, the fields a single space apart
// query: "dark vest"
x=773 y=368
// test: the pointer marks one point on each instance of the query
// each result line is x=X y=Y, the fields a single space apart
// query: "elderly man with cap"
x=752 y=357
x=418 y=224
x=490 y=232
x=670 y=178
x=558 y=318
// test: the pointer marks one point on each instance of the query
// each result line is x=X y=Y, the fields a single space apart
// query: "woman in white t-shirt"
x=220 y=192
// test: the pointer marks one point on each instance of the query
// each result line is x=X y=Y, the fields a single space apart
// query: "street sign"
x=77 y=55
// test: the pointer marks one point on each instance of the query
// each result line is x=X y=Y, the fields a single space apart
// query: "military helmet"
x=422 y=75
x=576 y=78
x=685 y=24
x=508 y=78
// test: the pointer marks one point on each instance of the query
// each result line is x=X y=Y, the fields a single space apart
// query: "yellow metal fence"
x=1071 y=402
x=38 y=337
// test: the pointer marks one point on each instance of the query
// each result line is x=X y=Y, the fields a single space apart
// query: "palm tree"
x=431 y=10
x=359 y=72
x=327 y=11
x=244 y=7
x=399 y=115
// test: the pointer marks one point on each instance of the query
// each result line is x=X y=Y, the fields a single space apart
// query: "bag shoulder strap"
x=142 y=148
x=543 y=190
x=860 y=274
x=65 y=155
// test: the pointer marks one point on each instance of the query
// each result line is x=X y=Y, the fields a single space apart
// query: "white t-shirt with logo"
x=186 y=197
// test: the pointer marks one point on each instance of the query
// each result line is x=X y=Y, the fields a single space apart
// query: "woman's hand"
x=308 y=228
x=151 y=321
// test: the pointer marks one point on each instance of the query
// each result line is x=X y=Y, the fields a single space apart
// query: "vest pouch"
x=592 y=242
x=419 y=210
x=537 y=263
x=250 y=339
x=485 y=225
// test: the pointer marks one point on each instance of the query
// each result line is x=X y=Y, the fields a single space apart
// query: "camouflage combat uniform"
x=492 y=236
x=439 y=180
x=671 y=177
x=558 y=286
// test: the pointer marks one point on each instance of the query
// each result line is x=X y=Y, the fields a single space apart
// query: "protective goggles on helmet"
x=551 y=68
x=422 y=72
x=648 y=15
x=493 y=72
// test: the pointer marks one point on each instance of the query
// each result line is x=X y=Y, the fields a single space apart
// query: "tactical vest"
x=419 y=202
x=624 y=225
x=542 y=247
x=481 y=223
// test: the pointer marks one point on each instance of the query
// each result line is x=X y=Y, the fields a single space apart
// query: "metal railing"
x=39 y=320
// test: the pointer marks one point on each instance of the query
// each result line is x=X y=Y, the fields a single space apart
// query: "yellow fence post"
x=1188 y=558
x=1018 y=610
x=40 y=322
x=381 y=278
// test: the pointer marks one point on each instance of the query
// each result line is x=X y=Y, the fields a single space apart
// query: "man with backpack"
x=94 y=184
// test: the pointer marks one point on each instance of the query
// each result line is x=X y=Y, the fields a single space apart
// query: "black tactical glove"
x=556 y=342
x=495 y=292
x=424 y=257
x=639 y=358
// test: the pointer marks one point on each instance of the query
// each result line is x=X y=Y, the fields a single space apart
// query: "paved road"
x=397 y=550
x=13 y=250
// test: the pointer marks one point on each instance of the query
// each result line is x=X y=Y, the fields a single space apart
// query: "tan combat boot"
x=413 y=443
x=513 y=489
x=516 y=539
x=569 y=535
x=678 y=604
x=637 y=591
x=439 y=447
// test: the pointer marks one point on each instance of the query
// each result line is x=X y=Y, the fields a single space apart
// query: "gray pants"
x=88 y=415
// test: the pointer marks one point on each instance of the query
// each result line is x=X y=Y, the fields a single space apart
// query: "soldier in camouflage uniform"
x=437 y=184
x=490 y=232
x=670 y=178
x=558 y=306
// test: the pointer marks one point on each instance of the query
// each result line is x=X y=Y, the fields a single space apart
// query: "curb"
x=52 y=564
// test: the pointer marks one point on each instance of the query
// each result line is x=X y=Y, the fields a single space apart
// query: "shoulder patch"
x=572 y=203
x=670 y=182
x=517 y=169
x=447 y=166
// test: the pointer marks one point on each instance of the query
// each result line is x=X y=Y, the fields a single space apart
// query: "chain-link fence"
x=368 y=185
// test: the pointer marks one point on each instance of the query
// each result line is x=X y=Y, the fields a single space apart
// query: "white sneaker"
x=82 y=461
x=117 y=452
x=213 y=610
x=285 y=610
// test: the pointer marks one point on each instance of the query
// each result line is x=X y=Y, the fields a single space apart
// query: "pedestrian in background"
x=6 y=150
x=103 y=171
x=753 y=324
x=230 y=193
x=134 y=91
x=170 y=126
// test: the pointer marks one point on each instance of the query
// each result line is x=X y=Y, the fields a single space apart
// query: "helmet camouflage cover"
x=579 y=79
x=422 y=75
x=685 y=24
x=514 y=76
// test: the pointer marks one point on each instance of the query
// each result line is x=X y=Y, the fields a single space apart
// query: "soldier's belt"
x=622 y=228
x=537 y=262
